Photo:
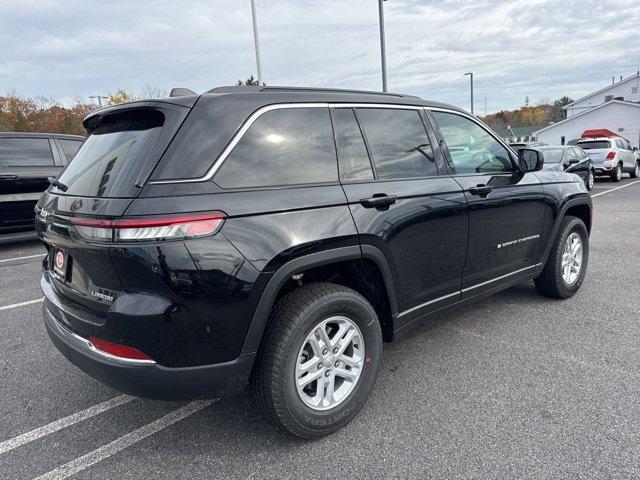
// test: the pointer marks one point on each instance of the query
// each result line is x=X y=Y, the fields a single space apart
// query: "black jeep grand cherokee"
x=275 y=236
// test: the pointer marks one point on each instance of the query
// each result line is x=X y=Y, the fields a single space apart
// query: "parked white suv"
x=611 y=156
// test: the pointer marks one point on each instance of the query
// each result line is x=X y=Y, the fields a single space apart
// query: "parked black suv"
x=26 y=160
x=276 y=236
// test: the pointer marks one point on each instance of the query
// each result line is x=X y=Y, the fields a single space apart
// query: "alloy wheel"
x=572 y=258
x=618 y=172
x=590 y=181
x=329 y=363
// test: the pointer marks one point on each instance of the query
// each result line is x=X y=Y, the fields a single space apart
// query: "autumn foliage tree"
x=542 y=113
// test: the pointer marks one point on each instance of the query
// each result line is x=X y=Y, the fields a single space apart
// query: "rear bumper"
x=149 y=380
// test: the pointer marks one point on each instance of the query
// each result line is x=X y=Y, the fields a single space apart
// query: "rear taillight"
x=117 y=350
x=611 y=155
x=141 y=229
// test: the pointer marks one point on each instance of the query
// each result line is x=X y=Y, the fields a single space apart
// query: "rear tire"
x=294 y=339
x=635 y=173
x=616 y=176
x=559 y=278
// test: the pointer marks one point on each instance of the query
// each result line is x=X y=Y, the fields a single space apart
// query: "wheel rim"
x=636 y=170
x=329 y=363
x=572 y=258
x=591 y=180
x=619 y=172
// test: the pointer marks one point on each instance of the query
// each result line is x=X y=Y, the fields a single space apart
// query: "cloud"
x=535 y=48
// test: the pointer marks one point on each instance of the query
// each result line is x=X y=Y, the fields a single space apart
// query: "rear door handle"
x=482 y=190
x=379 y=201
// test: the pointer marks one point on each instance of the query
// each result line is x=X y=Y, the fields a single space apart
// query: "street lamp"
x=471 y=75
x=255 y=40
x=383 y=55
x=99 y=97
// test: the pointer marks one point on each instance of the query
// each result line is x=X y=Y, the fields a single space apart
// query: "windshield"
x=600 y=144
x=110 y=159
x=553 y=156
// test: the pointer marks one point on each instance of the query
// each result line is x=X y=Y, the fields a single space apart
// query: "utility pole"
x=471 y=75
x=255 y=40
x=99 y=97
x=383 y=53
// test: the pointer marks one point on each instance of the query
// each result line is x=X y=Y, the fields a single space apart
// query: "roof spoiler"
x=181 y=92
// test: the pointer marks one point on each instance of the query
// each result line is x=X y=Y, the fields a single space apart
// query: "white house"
x=616 y=108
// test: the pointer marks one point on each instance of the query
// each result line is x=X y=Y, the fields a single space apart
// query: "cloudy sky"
x=538 y=48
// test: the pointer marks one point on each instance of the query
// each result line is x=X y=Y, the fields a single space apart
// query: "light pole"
x=256 y=41
x=383 y=54
x=471 y=75
x=99 y=97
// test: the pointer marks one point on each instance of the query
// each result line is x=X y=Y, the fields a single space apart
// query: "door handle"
x=8 y=177
x=481 y=190
x=379 y=201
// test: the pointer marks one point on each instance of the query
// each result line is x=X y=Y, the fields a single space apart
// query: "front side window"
x=472 y=148
x=289 y=146
x=25 y=152
x=352 y=151
x=399 y=143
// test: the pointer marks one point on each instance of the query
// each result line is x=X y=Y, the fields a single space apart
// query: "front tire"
x=567 y=263
x=635 y=173
x=318 y=361
x=590 y=180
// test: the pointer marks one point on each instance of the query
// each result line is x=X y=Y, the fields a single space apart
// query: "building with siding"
x=616 y=108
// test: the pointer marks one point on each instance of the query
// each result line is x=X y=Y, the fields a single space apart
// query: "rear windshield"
x=595 y=145
x=111 y=158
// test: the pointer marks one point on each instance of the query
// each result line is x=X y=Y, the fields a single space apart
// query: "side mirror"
x=635 y=149
x=530 y=160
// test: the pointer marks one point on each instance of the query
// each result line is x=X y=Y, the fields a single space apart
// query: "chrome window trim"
x=268 y=108
x=464 y=290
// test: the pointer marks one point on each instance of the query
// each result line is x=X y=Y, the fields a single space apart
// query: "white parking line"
x=22 y=258
x=21 y=304
x=614 y=189
x=65 y=422
x=119 y=444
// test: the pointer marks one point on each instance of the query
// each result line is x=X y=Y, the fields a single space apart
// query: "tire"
x=298 y=316
x=590 y=180
x=616 y=175
x=551 y=281
x=635 y=173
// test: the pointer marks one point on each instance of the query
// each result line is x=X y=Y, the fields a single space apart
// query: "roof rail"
x=258 y=88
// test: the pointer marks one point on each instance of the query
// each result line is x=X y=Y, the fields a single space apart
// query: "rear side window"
x=399 y=143
x=112 y=154
x=352 y=151
x=25 y=152
x=290 y=146
x=594 y=145
x=70 y=148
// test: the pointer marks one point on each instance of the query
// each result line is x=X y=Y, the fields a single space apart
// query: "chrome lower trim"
x=464 y=290
x=86 y=344
x=417 y=307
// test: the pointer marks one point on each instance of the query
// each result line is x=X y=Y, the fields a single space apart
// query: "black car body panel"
x=26 y=160
x=411 y=246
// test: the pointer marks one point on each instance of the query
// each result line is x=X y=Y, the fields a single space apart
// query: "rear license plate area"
x=60 y=264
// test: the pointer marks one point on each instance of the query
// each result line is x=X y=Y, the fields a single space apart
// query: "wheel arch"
x=580 y=207
x=315 y=264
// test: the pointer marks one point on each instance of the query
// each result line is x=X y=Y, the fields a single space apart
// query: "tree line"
x=543 y=112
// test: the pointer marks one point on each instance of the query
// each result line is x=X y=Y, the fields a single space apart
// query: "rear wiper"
x=58 y=184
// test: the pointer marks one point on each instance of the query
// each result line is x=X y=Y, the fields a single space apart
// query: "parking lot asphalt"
x=514 y=386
